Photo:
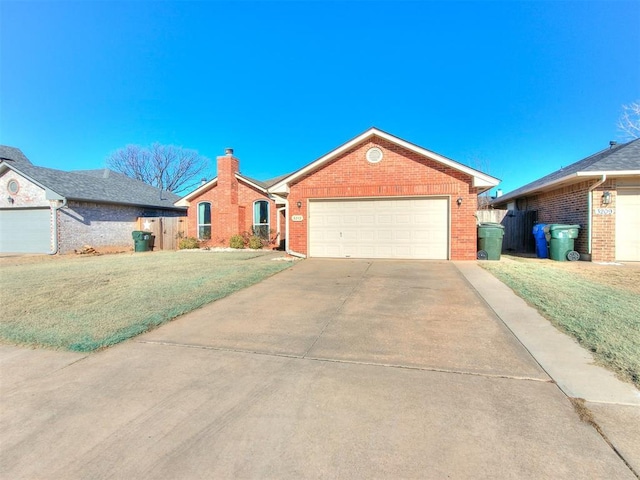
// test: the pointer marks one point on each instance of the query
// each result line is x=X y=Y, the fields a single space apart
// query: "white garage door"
x=25 y=230
x=379 y=228
x=628 y=224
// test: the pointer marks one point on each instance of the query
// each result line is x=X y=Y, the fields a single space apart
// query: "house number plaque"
x=297 y=218
x=604 y=211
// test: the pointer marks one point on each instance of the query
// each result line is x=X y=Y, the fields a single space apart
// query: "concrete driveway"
x=332 y=369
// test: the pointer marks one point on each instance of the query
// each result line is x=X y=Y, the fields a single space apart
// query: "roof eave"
x=184 y=201
x=170 y=206
x=566 y=179
x=483 y=184
x=249 y=182
x=609 y=173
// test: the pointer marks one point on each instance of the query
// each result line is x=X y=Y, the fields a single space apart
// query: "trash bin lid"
x=560 y=226
x=539 y=227
x=491 y=225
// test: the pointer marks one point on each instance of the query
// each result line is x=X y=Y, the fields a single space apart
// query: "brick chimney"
x=228 y=166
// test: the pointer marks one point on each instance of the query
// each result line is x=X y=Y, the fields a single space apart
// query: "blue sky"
x=515 y=89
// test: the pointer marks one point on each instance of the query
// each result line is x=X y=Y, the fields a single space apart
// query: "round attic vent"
x=13 y=187
x=374 y=155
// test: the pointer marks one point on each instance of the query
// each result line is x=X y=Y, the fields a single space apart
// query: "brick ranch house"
x=43 y=210
x=601 y=193
x=376 y=196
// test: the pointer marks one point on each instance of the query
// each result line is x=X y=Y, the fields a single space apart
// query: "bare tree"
x=164 y=166
x=629 y=121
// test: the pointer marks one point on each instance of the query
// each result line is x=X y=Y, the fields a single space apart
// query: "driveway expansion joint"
x=587 y=416
x=346 y=297
x=349 y=362
x=575 y=372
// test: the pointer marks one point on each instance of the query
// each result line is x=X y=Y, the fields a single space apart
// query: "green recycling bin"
x=561 y=243
x=141 y=241
x=490 y=241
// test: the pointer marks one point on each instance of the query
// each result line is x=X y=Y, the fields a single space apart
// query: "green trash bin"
x=490 y=241
x=562 y=241
x=141 y=241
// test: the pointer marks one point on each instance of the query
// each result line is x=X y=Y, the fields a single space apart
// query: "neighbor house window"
x=261 y=218
x=204 y=221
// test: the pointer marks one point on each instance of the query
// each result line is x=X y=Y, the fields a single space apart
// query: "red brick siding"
x=603 y=241
x=569 y=205
x=223 y=214
x=401 y=173
x=246 y=197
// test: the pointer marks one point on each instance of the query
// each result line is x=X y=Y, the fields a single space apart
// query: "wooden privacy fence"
x=518 y=228
x=166 y=231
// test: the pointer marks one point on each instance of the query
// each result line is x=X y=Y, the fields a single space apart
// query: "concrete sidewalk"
x=613 y=405
x=346 y=368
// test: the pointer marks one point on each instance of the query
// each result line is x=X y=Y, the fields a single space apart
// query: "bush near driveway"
x=89 y=302
x=599 y=305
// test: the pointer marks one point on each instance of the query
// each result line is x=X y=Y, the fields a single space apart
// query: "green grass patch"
x=603 y=318
x=87 y=303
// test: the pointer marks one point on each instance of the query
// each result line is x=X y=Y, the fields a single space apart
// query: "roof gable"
x=205 y=187
x=480 y=180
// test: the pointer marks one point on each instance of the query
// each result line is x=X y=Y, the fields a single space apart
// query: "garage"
x=25 y=230
x=628 y=225
x=411 y=228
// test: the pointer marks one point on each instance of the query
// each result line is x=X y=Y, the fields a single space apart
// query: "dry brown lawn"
x=598 y=304
x=87 y=302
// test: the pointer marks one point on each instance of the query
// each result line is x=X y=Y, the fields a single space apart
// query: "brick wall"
x=401 y=173
x=231 y=205
x=101 y=225
x=98 y=225
x=569 y=205
x=566 y=205
x=603 y=241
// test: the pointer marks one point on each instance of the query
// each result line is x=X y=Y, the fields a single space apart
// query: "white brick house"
x=52 y=211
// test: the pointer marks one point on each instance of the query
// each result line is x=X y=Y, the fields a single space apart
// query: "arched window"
x=261 y=218
x=204 y=221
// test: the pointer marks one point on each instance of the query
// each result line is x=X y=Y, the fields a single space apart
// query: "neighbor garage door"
x=628 y=224
x=379 y=228
x=25 y=230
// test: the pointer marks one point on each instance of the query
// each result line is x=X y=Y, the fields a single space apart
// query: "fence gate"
x=518 y=228
x=166 y=231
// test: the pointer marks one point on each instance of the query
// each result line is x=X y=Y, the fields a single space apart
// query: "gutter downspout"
x=589 y=206
x=286 y=241
x=278 y=231
x=56 y=246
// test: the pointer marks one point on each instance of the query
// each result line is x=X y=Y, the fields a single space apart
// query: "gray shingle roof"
x=14 y=155
x=266 y=183
x=271 y=182
x=100 y=186
x=260 y=183
x=619 y=158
